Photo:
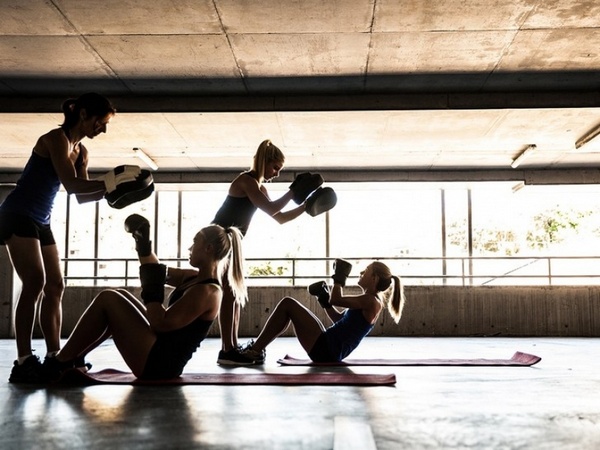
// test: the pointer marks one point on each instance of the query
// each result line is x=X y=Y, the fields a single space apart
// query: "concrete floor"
x=553 y=405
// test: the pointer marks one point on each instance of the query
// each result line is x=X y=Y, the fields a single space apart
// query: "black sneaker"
x=234 y=357
x=53 y=368
x=258 y=357
x=81 y=364
x=30 y=371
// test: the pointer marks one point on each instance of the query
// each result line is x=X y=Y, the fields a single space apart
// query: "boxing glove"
x=153 y=278
x=341 y=271
x=120 y=174
x=139 y=227
x=304 y=184
x=321 y=291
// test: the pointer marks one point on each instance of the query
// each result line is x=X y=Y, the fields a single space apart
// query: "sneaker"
x=258 y=357
x=53 y=368
x=29 y=372
x=234 y=357
x=81 y=364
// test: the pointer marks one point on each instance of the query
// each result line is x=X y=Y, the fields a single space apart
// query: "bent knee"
x=288 y=302
x=108 y=296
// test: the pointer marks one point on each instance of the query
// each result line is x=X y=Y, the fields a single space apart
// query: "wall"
x=433 y=311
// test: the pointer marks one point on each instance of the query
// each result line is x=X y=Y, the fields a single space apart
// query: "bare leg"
x=237 y=312
x=113 y=313
x=26 y=258
x=307 y=326
x=227 y=317
x=137 y=303
x=51 y=307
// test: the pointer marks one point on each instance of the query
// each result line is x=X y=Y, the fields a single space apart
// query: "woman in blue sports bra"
x=58 y=157
x=155 y=341
x=379 y=288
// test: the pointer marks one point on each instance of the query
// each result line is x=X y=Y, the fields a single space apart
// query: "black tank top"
x=184 y=342
x=236 y=212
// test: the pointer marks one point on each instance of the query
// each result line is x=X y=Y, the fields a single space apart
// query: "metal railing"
x=462 y=271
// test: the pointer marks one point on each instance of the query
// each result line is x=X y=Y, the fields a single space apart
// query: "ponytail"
x=235 y=269
x=396 y=304
x=227 y=244
x=392 y=289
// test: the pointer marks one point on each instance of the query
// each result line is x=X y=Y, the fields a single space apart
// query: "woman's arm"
x=56 y=145
x=333 y=313
x=200 y=301
x=259 y=196
x=82 y=173
x=368 y=303
x=283 y=217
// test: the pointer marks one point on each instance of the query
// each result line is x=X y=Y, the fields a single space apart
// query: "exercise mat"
x=518 y=359
x=113 y=376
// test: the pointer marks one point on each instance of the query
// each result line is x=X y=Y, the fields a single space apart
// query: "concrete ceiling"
x=415 y=85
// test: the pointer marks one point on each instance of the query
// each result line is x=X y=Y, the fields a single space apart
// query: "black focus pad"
x=132 y=191
x=320 y=201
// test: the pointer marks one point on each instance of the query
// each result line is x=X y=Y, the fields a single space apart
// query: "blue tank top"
x=36 y=189
x=345 y=334
x=236 y=212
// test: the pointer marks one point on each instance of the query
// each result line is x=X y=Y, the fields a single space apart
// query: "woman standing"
x=247 y=193
x=58 y=157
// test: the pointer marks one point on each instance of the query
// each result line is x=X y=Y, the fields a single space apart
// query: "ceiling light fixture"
x=587 y=137
x=524 y=154
x=144 y=157
x=517 y=187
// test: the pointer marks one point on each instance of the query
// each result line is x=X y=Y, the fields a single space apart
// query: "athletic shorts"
x=24 y=226
x=320 y=351
x=160 y=364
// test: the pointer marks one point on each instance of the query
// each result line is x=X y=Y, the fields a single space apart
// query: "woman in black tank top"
x=157 y=341
x=247 y=193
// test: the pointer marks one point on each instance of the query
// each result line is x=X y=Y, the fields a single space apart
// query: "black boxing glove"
x=321 y=291
x=341 y=271
x=304 y=184
x=139 y=227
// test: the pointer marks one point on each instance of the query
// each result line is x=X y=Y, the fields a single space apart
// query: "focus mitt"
x=320 y=201
x=131 y=191
x=120 y=174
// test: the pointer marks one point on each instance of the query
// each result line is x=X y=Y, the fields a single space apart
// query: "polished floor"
x=552 y=405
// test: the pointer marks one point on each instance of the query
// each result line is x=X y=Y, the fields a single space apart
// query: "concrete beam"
x=351 y=102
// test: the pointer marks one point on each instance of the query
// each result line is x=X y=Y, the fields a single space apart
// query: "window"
x=427 y=233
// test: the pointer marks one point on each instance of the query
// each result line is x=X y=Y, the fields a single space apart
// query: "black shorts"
x=160 y=364
x=24 y=226
x=320 y=351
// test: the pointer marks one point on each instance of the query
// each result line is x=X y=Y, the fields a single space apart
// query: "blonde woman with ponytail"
x=247 y=194
x=350 y=324
x=157 y=340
